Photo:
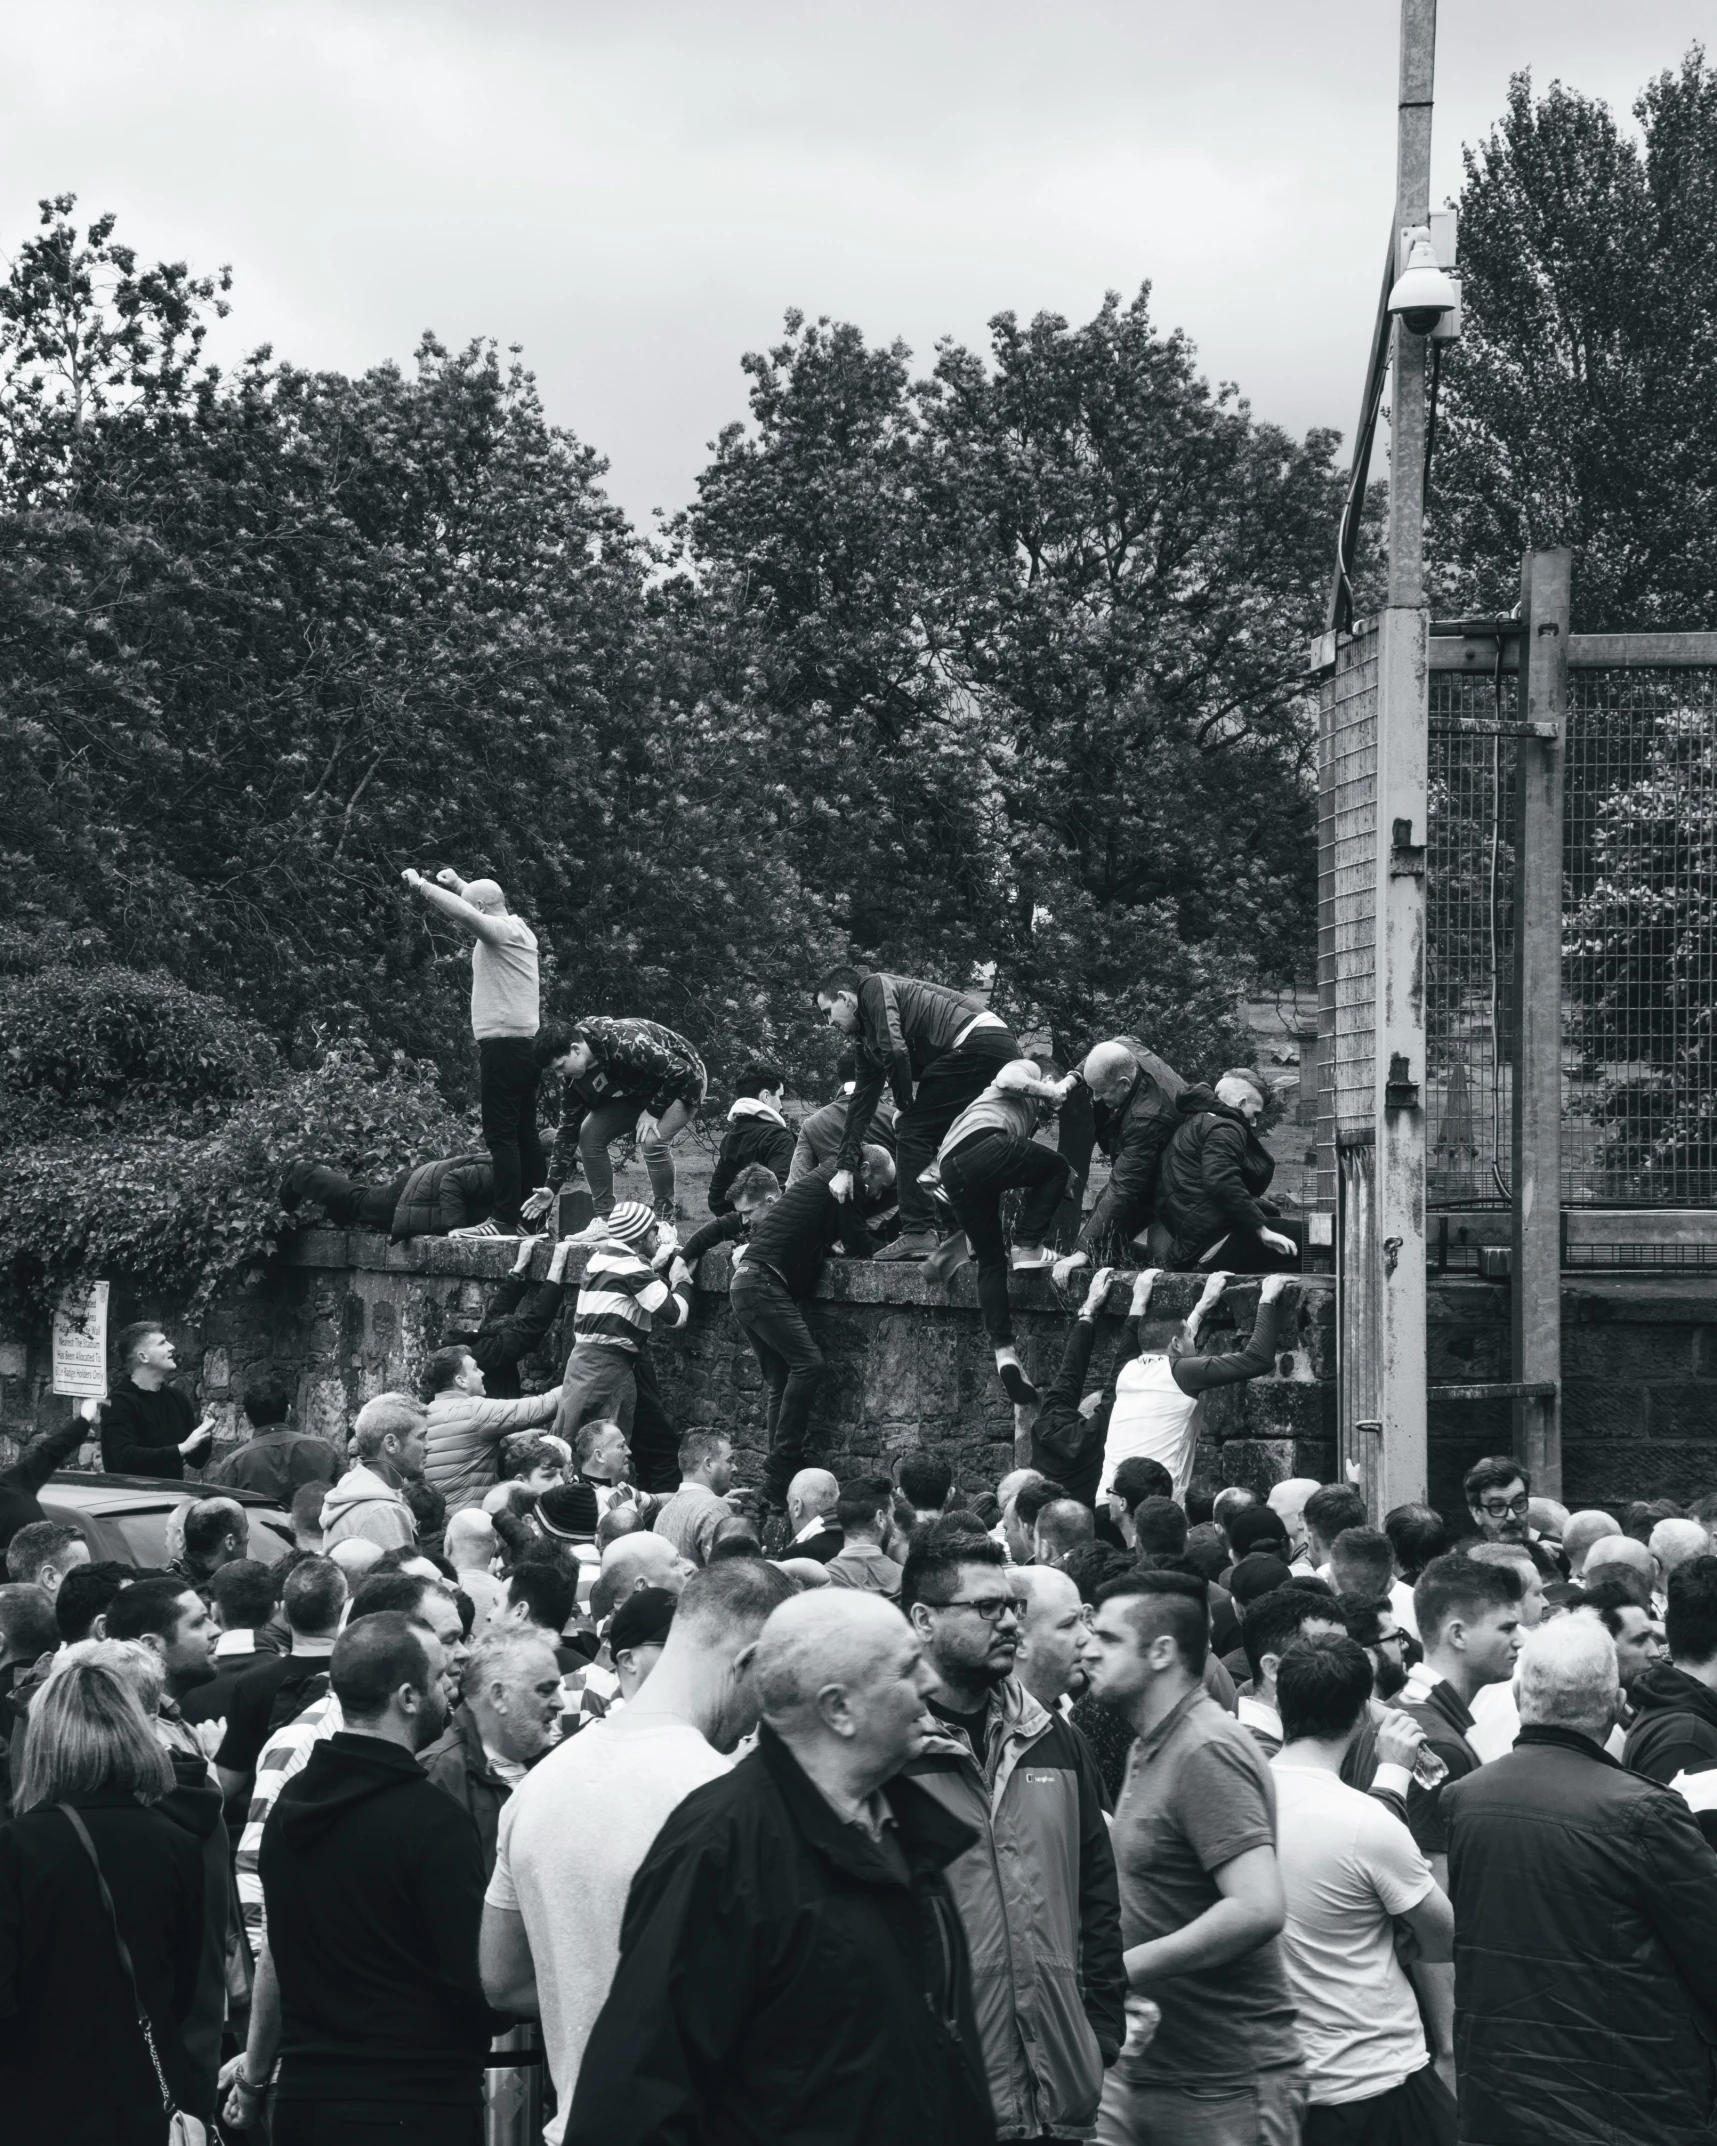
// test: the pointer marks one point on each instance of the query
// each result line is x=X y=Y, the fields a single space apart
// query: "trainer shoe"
x=949 y=1257
x=1028 y=1258
x=917 y=1244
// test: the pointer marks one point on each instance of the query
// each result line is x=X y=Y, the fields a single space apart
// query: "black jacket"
x=457 y=1763
x=904 y=1026
x=805 y=1224
x=453 y=1193
x=784 y=1981
x=141 y=1433
x=1212 y=1178
x=73 y=2065
x=277 y=1463
x=19 y=1505
x=373 y=1881
x=1133 y=1134
x=750 y=1137
x=519 y=1319
x=1585 y=1974
x=1674 y=1729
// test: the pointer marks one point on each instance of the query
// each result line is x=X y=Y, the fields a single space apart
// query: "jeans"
x=599 y=1385
x=654 y=1441
x=950 y=1082
x=612 y=1121
x=348 y=1203
x=974 y=1177
x=508 y=1076
x=1265 y=2110
x=792 y=1366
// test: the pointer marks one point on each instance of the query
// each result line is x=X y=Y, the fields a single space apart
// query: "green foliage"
x=185 y=1212
x=1577 y=407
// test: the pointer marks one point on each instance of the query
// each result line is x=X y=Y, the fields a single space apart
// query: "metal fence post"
x=1535 y=1285
x=1403 y=681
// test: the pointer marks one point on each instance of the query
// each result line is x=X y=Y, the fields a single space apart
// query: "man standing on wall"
x=504 y=1013
x=905 y=1032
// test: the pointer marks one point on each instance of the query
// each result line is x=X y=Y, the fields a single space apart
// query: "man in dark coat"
x=909 y=1032
x=1125 y=1104
x=1674 y=1729
x=518 y=1319
x=1212 y=1180
x=450 y=1194
x=1584 y=1898
x=19 y=1505
x=792 y=1965
x=147 y=1424
x=756 y=1132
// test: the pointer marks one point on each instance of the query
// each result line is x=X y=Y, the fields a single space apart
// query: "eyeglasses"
x=992 y=1608
x=1392 y=1639
x=1505 y=1509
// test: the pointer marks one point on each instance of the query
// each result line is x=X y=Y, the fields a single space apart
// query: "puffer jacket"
x=1585 y=1976
x=1133 y=1134
x=755 y=1133
x=440 y=1196
x=1213 y=1177
x=464 y=1431
x=1040 y=1903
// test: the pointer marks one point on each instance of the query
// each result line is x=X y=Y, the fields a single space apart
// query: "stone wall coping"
x=843 y=1281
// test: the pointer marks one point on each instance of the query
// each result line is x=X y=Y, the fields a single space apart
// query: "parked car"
x=123 y=1518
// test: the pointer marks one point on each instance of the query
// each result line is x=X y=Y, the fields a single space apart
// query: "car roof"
x=100 y=1493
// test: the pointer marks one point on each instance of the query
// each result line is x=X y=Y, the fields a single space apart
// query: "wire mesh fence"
x=1639 y=1120
x=1347 y=900
x=1469 y=945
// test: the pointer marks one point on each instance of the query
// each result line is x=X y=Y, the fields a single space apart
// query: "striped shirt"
x=286 y=1753
x=621 y=1298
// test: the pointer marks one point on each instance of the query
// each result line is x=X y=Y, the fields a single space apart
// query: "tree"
x=1576 y=409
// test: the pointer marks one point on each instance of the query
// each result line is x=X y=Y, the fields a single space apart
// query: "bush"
x=185 y=1212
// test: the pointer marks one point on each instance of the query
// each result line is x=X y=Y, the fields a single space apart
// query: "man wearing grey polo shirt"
x=1201 y=1894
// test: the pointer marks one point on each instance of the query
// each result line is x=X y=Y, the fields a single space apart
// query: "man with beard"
x=373 y=1879
x=1037 y=1894
x=1499 y=1504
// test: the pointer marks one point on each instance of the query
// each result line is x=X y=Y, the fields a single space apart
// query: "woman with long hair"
x=76 y=2027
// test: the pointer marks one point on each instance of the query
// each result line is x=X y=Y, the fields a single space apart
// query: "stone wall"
x=342 y=1315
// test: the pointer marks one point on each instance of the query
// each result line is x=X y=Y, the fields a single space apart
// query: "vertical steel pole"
x=1535 y=1281
x=1402 y=716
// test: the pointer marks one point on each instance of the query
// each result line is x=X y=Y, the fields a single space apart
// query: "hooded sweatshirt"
x=756 y=1132
x=1674 y=1729
x=365 y=1503
x=374 y=1885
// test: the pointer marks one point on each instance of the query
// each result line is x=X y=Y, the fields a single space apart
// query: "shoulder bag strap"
x=75 y=1821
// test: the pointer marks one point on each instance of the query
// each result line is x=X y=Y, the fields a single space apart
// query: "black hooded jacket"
x=373 y=1881
x=1213 y=1177
x=1674 y=1729
x=1133 y=1134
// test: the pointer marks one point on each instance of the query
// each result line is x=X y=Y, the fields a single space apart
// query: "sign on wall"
x=80 y=1342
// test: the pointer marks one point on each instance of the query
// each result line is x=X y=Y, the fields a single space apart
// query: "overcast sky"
x=636 y=191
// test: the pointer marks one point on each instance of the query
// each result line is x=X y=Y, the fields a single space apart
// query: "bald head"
x=1620 y=1557
x=1584 y=1529
x=485 y=894
x=1109 y=1071
x=835 y=1640
x=642 y=1559
x=470 y=1540
x=1673 y=1542
x=1289 y=1497
x=1043 y=1589
x=813 y=1494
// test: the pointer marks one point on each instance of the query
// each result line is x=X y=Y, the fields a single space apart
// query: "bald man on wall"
x=505 y=1009
x=1124 y=1103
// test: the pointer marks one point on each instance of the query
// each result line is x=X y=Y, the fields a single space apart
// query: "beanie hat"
x=631 y=1222
x=568 y=1511
x=642 y=1620
x=1255 y=1575
x=1256 y=1527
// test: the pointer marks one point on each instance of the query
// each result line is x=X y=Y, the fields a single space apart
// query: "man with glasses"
x=1038 y=1894
x=1499 y=1497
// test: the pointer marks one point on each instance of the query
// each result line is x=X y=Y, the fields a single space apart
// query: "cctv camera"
x=1423 y=293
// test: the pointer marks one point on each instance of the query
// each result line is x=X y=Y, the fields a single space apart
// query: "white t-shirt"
x=1348 y=1865
x=1153 y=1418
x=1401 y=1602
x=571 y=1839
x=1496 y=1722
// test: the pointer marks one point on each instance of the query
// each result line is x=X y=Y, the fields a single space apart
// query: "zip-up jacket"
x=1041 y=1906
x=457 y=1762
x=786 y=1980
x=463 y=1432
x=1212 y=1178
x=454 y=1193
x=1133 y=1133
x=636 y=1061
x=1674 y=1730
x=904 y=1026
x=755 y=1133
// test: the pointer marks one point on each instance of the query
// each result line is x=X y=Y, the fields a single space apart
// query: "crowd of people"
x=554 y=1769
x=1110 y=1808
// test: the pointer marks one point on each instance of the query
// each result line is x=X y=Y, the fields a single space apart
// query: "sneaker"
x=592 y=1233
x=1028 y=1258
x=948 y=1258
x=481 y=1229
x=919 y=1244
x=1018 y=1388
